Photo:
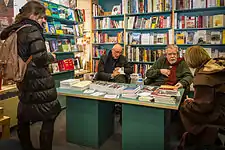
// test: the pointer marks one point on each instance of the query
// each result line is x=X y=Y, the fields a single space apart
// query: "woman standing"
x=207 y=108
x=37 y=92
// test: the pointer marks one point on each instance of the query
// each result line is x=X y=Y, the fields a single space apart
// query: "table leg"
x=142 y=128
x=89 y=122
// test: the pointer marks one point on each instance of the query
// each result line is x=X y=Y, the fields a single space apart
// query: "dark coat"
x=208 y=106
x=37 y=92
x=105 y=71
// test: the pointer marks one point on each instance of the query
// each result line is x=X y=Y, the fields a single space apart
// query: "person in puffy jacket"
x=203 y=114
x=37 y=92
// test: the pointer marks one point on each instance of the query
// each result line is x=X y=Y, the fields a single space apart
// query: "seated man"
x=110 y=65
x=170 y=70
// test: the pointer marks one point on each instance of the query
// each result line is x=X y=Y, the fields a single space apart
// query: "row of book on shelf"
x=212 y=21
x=99 y=37
x=148 y=38
x=55 y=27
x=63 y=45
x=181 y=37
x=192 y=4
x=108 y=23
x=148 y=6
x=58 y=11
x=200 y=36
x=153 y=22
x=69 y=64
x=163 y=94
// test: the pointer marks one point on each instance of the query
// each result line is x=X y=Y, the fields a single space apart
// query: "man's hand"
x=188 y=100
x=179 y=85
x=115 y=73
x=117 y=69
x=165 y=72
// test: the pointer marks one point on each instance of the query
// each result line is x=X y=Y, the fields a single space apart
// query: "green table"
x=90 y=121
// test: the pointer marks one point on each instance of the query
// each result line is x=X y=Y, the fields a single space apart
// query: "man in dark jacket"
x=37 y=92
x=109 y=67
x=170 y=70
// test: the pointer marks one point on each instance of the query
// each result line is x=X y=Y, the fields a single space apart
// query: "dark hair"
x=30 y=8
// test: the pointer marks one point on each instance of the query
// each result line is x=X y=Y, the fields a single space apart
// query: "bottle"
x=140 y=81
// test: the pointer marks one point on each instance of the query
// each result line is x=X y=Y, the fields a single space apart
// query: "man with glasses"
x=170 y=70
x=114 y=66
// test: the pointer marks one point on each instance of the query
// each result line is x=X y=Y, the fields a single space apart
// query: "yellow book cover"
x=218 y=20
x=180 y=38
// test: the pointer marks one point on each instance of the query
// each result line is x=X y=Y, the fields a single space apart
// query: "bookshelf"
x=137 y=23
x=63 y=30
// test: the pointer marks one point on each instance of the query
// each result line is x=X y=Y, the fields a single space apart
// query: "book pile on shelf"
x=62 y=65
x=147 y=38
x=190 y=4
x=99 y=37
x=154 y=22
x=147 y=6
x=108 y=23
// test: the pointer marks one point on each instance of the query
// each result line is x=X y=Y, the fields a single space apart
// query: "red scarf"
x=172 y=79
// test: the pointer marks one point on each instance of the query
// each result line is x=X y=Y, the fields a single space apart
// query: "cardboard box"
x=1 y=112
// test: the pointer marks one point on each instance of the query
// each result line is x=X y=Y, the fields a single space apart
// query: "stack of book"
x=108 y=87
x=68 y=83
x=166 y=94
x=81 y=86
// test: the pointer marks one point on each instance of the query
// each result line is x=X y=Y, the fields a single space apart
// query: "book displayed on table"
x=164 y=94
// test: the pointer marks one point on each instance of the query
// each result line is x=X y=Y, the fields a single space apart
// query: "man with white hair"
x=170 y=70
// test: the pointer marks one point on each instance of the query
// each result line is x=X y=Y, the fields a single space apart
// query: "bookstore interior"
x=80 y=32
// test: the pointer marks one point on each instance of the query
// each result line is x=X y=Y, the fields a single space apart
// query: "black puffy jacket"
x=37 y=92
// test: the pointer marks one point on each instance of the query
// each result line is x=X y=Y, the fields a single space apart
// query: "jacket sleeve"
x=127 y=68
x=101 y=75
x=51 y=59
x=37 y=48
x=203 y=103
x=187 y=77
x=154 y=71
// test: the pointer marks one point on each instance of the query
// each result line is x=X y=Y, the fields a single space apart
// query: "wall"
x=108 y=5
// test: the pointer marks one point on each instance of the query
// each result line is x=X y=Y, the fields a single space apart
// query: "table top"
x=80 y=94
